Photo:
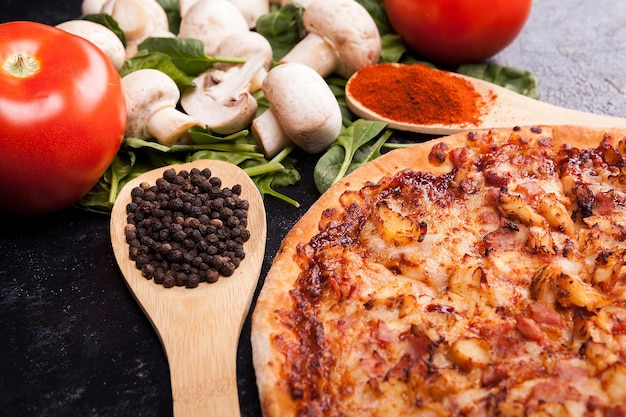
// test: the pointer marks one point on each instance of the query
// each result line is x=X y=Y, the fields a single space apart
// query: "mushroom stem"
x=344 y=27
x=314 y=52
x=270 y=135
x=151 y=99
x=169 y=126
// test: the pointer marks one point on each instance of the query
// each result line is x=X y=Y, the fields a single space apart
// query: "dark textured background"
x=73 y=342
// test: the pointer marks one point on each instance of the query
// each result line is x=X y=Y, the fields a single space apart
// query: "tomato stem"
x=21 y=65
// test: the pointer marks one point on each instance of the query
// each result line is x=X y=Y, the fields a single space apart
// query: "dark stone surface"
x=74 y=342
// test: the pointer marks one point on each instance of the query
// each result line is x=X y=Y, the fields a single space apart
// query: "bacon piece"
x=605 y=203
x=529 y=328
x=541 y=313
x=504 y=239
x=530 y=190
x=550 y=391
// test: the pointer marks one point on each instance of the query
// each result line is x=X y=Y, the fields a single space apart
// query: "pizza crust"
x=273 y=390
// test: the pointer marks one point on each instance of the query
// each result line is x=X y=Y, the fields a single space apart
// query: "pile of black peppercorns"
x=186 y=229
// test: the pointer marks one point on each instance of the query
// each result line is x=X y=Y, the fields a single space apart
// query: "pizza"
x=479 y=274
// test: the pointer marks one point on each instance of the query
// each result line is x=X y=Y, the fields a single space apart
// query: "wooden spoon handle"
x=203 y=373
x=512 y=108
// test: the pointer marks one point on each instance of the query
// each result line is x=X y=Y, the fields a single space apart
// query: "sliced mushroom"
x=342 y=37
x=224 y=106
x=303 y=109
x=245 y=45
x=211 y=21
x=99 y=35
x=151 y=99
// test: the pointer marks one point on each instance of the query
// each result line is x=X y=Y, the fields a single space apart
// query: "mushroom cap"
x=304 y=105
x=137 y=17
x=349 y=28
x=99 y=35
x=211 y=21
x=147 y=91
x=252 y=10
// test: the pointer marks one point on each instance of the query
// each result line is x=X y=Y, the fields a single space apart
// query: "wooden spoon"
x=199 y=327
x=508 y=109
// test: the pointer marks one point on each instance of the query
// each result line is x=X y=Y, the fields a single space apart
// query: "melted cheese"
x=451 y=296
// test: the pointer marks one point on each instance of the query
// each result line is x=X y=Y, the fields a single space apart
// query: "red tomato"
x=61 y=124
x=457 y=31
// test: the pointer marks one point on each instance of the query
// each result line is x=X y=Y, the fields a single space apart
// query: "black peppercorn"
x=186 y=229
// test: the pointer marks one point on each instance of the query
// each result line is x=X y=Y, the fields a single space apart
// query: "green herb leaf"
x=519 y=80
x=204 y=136
x=172 y=10
x=158 y=61
x=376 y=9
x=107 y=21
x=283 y=28
x=264 y=184
x=393 y=48
x=186 y=54
x=340 y=160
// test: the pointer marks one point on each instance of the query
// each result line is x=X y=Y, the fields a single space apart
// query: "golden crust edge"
x=284 y=270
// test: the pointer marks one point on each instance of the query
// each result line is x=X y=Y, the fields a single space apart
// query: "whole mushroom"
x=303 y=3
x=303 y=110
x=224 y=105
x=250 y=9
x=137 y=18
x=211 y=21
x=151 y=99
x=99 y=35
x=342 y=37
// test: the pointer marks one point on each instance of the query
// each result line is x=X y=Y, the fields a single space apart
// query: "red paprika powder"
x=416 y=94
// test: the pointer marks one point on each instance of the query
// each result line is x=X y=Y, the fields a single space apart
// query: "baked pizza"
x=479 y=274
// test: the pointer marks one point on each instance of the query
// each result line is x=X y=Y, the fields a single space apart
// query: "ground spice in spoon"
x=416 y=94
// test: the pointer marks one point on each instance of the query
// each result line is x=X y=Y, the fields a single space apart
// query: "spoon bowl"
x=504 y=108
x=199 y=327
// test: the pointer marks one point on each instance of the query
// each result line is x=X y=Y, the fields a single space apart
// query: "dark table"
x=74 y=341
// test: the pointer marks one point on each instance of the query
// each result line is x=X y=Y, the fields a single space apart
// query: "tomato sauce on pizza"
x=480 y=274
